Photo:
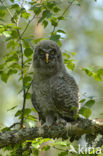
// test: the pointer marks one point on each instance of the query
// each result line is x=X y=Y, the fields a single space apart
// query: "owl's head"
x=47 y=57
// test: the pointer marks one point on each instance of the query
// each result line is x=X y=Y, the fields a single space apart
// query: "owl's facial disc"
x=47 y=55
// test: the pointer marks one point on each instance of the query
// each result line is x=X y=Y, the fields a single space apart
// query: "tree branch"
x=70 y=4
x=62 y=130
x=28 y=25
x=8 y=10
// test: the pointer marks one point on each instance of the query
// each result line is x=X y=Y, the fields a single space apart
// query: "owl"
x=54 y=91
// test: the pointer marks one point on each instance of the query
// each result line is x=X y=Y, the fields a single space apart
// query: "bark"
x=62 y=130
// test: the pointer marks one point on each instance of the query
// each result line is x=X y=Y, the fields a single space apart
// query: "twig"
x=13 y=125
x=27 y=25
x=17 y=23
x=8 y=10
x=22 y=74
x=29 y=87
x=63 y=14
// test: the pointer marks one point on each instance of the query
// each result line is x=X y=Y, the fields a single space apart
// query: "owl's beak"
x=47 y=57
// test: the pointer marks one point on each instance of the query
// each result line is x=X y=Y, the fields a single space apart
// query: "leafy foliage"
x=19 y=57
x=96 y=74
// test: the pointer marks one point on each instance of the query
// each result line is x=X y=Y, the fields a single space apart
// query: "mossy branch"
x=62 y=130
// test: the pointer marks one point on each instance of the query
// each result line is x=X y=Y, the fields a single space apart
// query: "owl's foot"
x=47 y=126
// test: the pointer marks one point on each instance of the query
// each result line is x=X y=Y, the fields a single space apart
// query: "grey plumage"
x=54 y=91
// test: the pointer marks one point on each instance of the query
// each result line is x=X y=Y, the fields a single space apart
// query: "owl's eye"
x=52 y=52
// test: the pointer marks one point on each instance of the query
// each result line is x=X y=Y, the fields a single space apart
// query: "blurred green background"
x=84 y=35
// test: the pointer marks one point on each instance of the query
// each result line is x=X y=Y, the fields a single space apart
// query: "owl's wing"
x=65 y=98
x=33 y=99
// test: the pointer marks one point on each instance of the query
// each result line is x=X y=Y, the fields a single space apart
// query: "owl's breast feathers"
x=41 y=90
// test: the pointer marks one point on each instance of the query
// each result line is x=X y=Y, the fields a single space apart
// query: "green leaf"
x=15 y=66
x=12 y=1
x=66 y=55
x=55 y=37
x=45 y=14
x=63 y=153
x=37 y=142
x=12 y=44
x=24 y=14
x=12 y=71
x=45 y=23
x=90 y=103
x=54 y=21
x=51 y=4
x=56 y=9
x=59 y=43
x=34 y=110
x=45 y=148
x=37 y=40
x=60 y=18
x=28 y=52
x=13 y=57
x=86 y=112
x=12 y=108
x=28 y=96
x=36 y=145
x=37 y=8
x=1 y=26
x=26 y=42
x=97 y=77
x=62 y=143
x=14 y=34
x=4 y=77
x=2 y=29
x=83 y=100
x=27 y=111
x=5 y=129
x=27 y=79
x=100 y=71
x=7 y=33
x=2 y=12
x=61 y=31
x=73 y=53
x=14 y=6
x=2 y=20
x=18 y=113
x=36 y=152
x=31 y=117
x=87 y=71
x=70 y=65
x=1 y=66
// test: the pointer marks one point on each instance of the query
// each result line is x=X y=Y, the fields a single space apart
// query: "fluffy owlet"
x=54 y=91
